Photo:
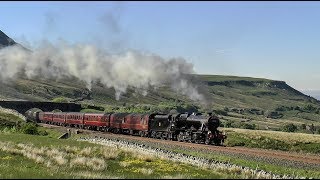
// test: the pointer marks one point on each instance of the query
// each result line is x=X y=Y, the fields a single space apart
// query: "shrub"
x=309 y=108
x=289 y=128
x=274 y=115
x=220 y=112
x=43 y=133
x=226 y=109
x=228 y=124
x=248 y=126
x=303 y=126
x=29 y=128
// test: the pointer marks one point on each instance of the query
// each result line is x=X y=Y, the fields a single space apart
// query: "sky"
x=270 y=39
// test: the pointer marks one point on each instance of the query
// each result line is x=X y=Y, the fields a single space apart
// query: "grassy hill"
x=263 y=102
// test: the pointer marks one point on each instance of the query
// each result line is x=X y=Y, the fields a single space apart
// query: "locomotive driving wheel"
x=207 y=141
x=180 y=137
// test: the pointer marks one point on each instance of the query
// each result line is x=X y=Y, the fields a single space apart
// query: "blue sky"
x=274 y=40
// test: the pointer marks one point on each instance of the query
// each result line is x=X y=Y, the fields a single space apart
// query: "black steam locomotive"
x=183 y=127
x=195 y=128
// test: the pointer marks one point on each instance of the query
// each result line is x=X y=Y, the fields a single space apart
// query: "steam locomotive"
x=183 y=127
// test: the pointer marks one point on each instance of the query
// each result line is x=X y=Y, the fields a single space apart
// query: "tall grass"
x=93 y=161
x=298 y=142
x=154 y=154
x=278 y=135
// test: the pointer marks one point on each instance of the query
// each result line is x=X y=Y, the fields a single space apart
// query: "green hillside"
x=237 y=100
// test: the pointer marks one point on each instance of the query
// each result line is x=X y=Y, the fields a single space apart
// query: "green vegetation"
x=269 y=165
x=12 y=123
x=290 y=128
x=267 y=104
x=298 y=142
x=60 y=100
x=48 y=157
x=36 y=156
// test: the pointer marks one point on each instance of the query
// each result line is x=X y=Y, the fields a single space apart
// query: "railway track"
x=273 y=154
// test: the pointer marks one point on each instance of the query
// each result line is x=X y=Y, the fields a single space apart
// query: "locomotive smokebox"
x=32 y=115
x=213 y=123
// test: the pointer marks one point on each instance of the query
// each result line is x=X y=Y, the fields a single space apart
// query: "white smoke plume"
x=88 y=63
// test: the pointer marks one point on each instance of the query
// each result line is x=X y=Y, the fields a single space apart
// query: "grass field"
x=47 y=157
x=265 y=164
x=299 y=142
